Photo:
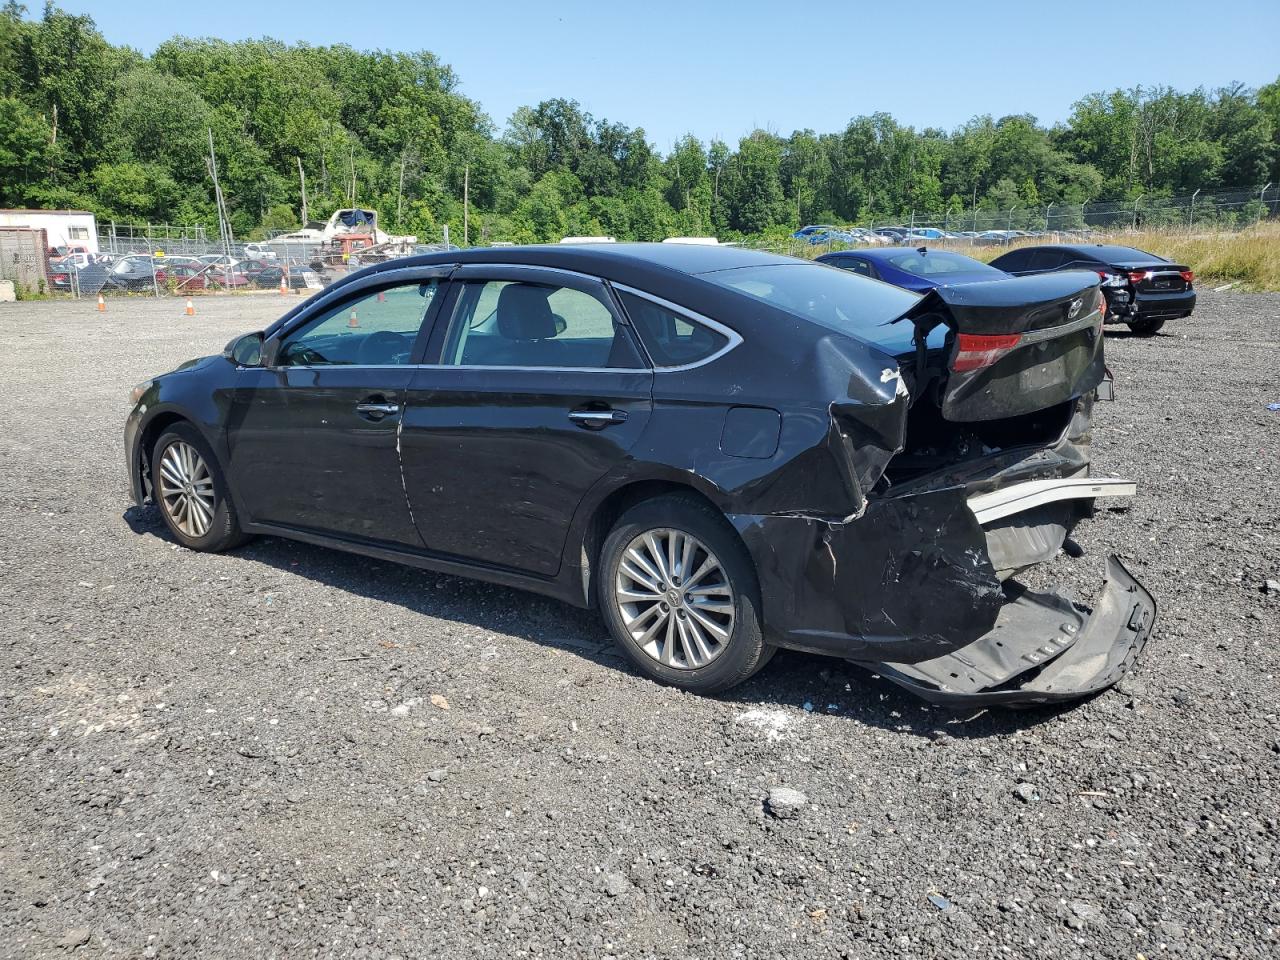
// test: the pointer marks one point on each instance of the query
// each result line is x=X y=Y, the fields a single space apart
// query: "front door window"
x=379 y=328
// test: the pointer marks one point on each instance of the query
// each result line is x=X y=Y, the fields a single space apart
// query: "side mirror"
x=246 y=350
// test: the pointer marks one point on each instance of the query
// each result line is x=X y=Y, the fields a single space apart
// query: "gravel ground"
x=287 y=751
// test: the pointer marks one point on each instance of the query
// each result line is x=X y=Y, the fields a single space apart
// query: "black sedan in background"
x=723 y=450
x=1142 y=289
x=913 y=268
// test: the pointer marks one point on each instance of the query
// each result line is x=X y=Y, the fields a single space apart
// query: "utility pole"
x=1134 y=226
x=1191 y=209
x=466 y=210
x=302 y=177
x=224 y=221
x=351 y=193
x=400 y=194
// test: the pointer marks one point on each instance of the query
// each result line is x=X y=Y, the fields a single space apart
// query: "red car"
x=185 y=277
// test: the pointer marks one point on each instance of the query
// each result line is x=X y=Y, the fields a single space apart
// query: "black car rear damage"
x=911 y=583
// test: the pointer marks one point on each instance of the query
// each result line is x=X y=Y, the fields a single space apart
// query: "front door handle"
x=597 y=418
x=377 y=410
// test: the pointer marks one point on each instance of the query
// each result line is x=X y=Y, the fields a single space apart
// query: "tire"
x=704 y=637
x=1146 y=327
x=190 y=491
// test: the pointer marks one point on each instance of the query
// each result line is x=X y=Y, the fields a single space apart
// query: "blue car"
x=913 y=268
x=805 y=232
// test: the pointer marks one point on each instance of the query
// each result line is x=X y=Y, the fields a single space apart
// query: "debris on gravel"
x=165 y=714
x=1025 y=792
x=784 y=803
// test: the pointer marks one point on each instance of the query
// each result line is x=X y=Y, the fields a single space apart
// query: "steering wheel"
x=380 y=346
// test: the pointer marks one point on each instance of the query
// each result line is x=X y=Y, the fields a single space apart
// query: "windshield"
x=933 y=263
x=837 y=299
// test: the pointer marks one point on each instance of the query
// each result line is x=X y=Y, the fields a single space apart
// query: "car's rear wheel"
x=679 y=594
x=1146 y=327
x=189 y=487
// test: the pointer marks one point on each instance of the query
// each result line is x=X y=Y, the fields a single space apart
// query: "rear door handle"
x=597 y=418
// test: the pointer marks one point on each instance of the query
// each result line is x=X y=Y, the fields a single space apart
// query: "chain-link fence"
x=184 y=261
x=1224 y=211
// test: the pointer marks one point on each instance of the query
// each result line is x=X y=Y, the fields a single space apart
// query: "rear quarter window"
x=672 y=339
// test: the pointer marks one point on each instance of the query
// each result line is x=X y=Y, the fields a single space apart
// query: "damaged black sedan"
x=725 y=451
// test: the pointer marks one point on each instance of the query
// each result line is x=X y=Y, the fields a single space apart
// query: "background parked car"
x=893 y=234
x=183 y=277
x=913 y=268
x=131 y=273
x=807 y=231
x=299 y=277
x=1142 y=289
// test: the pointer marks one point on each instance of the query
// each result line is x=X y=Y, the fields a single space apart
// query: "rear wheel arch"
x=605 y=514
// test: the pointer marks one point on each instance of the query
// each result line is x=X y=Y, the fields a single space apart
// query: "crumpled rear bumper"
x=1044 y=648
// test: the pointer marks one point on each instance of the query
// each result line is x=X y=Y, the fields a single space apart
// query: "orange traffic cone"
x=382 y=297
x=191 y=308
x=352 y=322
x=283 y=288
x=102 y=304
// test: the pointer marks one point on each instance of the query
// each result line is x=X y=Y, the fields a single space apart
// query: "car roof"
x=1106 y=252
x=887 y=253
x=610 y=259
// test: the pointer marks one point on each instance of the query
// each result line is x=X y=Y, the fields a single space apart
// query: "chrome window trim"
x=734 y=338
x=471 y=272
x=491 y=367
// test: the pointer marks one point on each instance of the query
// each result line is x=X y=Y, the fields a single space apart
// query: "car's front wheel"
x=1146 y=327
x=189 y=488
x=679 y=593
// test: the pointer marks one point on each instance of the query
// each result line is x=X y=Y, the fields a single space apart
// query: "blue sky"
x=722 y=69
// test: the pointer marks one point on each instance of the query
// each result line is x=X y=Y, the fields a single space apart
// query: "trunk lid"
x=1011 y=347
x=1158 y=277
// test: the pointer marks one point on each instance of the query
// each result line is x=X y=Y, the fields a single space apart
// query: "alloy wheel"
x=186 y=489
x=675 y=598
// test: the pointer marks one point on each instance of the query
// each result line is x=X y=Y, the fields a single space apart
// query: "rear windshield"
x=934 y=263
x=837 y=299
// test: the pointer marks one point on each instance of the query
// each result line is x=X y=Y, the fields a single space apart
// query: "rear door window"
x=859 y=266
x=1045 y=259
x=517 y=323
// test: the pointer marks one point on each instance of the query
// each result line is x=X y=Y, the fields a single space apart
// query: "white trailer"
x=63 y=228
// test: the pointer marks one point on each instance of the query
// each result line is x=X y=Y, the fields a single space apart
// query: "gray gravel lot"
x=288 y=752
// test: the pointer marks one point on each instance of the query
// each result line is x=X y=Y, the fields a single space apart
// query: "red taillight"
x=1103 y=274
x=975 y=351
x=1137 y=276
x=1188 y=275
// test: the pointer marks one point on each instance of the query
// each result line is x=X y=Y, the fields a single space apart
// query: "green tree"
x=24 y=151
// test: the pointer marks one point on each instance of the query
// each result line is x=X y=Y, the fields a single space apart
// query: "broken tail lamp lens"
x=1111 y=279
x=975 y=351
x=1137 y=276
x=1188 y=275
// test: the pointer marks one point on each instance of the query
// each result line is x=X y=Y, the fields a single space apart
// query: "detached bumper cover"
x=1044 y=648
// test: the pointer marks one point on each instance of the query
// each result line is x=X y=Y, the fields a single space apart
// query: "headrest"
x=524 y=313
